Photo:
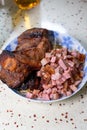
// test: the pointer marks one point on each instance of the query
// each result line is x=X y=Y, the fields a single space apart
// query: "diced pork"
x=61 y=75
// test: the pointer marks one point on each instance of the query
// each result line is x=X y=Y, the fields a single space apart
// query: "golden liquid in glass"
x=27 y=4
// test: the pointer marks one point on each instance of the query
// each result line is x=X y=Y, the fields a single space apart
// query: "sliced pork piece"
x=32 y=45
x=32 y=56
x=12 y=72
x=32 y=38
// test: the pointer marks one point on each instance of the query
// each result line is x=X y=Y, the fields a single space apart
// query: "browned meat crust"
x=33 y=55
x=12 y=72
x=31 y=38
x=32 y=45
x=16 y=66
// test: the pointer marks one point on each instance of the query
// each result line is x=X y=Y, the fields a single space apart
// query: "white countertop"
x=16 y=112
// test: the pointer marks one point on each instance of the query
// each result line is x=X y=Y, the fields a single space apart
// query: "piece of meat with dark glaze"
x=32 y=37
x=32 y=45
x=33 y=82
x=33 y=55
x=12 y=72
x=16 y=66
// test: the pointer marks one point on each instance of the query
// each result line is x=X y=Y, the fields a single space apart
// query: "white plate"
x=62 y=38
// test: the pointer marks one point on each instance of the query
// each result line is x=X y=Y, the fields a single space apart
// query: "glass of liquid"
x=27 y=4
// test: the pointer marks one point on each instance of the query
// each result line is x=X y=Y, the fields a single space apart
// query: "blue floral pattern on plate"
x=66 y=41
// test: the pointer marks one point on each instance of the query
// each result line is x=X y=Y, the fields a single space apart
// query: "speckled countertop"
x=16 y=112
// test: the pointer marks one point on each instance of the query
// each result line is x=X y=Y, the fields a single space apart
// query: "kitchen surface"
x=19 y=113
